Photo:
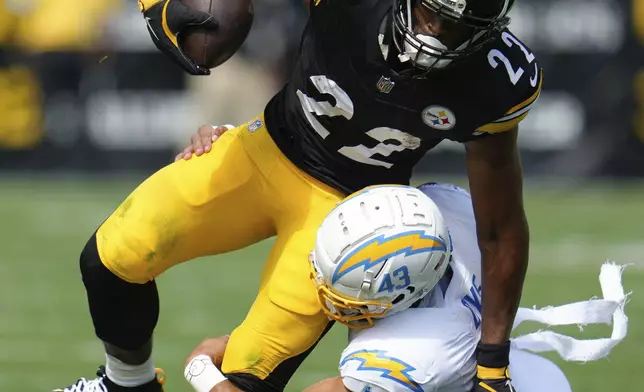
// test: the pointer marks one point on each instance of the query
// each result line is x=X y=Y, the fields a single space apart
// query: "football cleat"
x=102 y=384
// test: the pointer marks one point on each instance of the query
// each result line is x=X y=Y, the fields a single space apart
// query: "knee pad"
x=124 y=314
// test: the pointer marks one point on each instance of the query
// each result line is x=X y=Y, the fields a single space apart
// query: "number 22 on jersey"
x=344 y=107
x=495 y=55
x=403 y=141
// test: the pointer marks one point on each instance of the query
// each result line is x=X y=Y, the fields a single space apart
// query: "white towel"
x=594 y=311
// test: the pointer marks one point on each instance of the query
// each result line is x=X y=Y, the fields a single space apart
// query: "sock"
x=120 y=373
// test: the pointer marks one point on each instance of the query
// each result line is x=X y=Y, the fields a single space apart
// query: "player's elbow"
x=512 y=231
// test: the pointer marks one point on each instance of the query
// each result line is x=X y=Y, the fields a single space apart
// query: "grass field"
x=46 y=337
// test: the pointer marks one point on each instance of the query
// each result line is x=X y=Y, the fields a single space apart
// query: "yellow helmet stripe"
x=381 y=248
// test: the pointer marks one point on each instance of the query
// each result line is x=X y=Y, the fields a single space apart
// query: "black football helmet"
x=476 y=20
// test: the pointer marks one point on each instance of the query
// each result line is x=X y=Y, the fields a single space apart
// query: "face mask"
x=424 y=59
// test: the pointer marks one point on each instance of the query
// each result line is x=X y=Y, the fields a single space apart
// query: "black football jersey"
x=348 y=119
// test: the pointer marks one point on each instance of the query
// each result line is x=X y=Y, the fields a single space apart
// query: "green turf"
x=46 y=337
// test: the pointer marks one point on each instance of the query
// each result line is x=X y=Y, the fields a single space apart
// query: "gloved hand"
x=492 y=370
x=165 y=20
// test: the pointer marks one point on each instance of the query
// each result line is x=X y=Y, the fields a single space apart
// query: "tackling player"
x=377 y=84
x=387 y=249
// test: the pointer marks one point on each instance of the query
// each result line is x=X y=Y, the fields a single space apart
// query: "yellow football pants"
x=241 y=192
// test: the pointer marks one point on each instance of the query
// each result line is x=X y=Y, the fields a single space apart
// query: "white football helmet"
x=378 y=252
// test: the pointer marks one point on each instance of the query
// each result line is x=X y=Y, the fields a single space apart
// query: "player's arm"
x=202 y=367
x=203 y=363
x=202 y=370
x=496 y=185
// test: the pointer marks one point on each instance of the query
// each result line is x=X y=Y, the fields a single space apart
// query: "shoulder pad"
x=378 y=369
x=416 y=350
x=516 y=79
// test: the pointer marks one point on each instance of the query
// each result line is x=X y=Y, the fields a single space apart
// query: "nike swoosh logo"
x=533 y=79
x=147 y=21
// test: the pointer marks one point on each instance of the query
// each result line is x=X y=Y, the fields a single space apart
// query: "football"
x=211 y=48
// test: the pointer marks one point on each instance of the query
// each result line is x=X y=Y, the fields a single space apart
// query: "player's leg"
x=533 y=373
x=277 y=335
x=207 y=205
x=286 y=321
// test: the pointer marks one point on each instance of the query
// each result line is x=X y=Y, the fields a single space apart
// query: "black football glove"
x=165 y=20
x=492 y=371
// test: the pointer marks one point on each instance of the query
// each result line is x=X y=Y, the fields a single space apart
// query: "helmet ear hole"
x=401 y=297
x=398 y=299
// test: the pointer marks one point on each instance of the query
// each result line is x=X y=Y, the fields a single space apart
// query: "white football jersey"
x=429 y=348
x=464 y=287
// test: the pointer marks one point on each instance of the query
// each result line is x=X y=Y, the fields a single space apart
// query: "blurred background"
x=89 y=108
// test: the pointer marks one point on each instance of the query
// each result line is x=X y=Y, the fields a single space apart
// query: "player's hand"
x=165 y=20
x=492 y=373
x=213 y=347
x=501 y=384
x=201 y=142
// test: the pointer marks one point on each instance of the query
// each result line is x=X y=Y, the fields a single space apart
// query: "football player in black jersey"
x=377 y=84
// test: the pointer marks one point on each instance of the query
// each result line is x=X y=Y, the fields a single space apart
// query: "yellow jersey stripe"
x=528 y=101
x=516 y=114
x=502 y=126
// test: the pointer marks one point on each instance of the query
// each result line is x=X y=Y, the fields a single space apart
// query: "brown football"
x=211 y=48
